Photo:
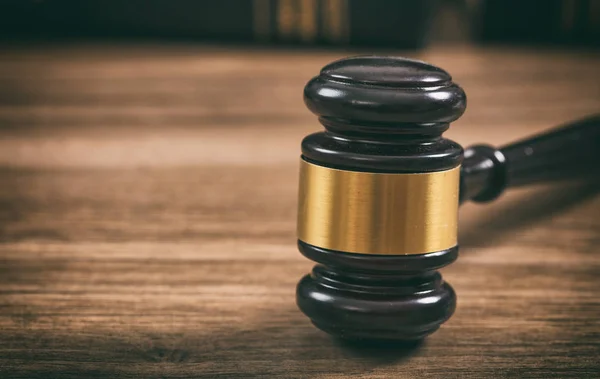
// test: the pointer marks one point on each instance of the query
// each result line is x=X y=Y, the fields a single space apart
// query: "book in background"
x=392 y=23
x=569 y=22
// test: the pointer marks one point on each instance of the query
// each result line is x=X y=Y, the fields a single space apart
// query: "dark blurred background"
x=389 y=23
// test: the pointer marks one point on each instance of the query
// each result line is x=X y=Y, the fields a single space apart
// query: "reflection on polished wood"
x=148 y=211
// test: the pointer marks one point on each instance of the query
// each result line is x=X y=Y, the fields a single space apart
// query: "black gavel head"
x=378 y=198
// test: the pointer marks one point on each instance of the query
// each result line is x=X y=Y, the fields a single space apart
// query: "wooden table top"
x=148 y=201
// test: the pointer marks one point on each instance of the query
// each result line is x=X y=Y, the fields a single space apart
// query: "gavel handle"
x=568 y=152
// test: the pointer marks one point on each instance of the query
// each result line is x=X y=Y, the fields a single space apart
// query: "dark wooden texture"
x=391 y=112
x=382 y=114
x=148 y=211
x=567 y=153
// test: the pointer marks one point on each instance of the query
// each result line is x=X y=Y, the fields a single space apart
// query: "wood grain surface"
x=147 y=216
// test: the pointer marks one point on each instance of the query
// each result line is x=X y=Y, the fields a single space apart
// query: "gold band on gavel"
x=378 y=213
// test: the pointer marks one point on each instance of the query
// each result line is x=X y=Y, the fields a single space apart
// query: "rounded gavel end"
x=378 y=198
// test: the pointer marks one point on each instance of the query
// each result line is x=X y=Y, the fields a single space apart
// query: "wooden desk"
x=147 y=220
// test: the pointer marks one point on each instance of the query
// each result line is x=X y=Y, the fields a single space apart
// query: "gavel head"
x=378 y=198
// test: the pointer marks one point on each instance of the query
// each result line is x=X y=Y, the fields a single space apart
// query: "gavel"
x=380 y=189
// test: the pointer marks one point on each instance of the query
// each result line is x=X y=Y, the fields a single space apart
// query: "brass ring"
x=378 y=213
